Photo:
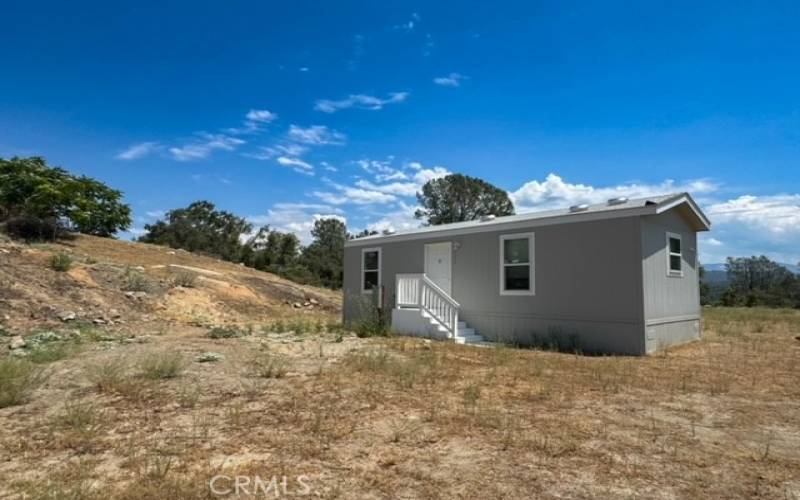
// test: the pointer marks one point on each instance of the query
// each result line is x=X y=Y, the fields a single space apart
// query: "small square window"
x=518 y=278
x=675 y=263
x=371 y=260
x=516 y=251
x=370 y=280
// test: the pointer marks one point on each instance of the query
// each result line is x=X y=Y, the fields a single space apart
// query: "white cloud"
x=777 y=214
x=359 y=101
x=261 y=116
x=353 y=195
x=554 y=192
x=366 y=192
x=202 y=149
x=451 y=80
x=400 y=219
x=377 y=166
x=429 y=45
x=297 y=165
x=394 y=176
x=712 y=242
x=316 y=135
x=409 y=25
x=290 y=149
x=139 y=151
x=297 y=218
x=394 y=188
x=156 y=214
x=424 y=175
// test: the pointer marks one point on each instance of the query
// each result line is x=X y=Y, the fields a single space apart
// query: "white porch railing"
x=418 y=291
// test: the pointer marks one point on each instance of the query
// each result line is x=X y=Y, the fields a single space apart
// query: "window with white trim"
x=516 y=264
x=674 y=255
x=370 y=269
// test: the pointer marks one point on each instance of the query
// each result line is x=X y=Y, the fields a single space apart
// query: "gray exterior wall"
x=671 y=303
x=588 y=283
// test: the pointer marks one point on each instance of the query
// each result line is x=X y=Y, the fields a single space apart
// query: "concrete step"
x=469 y=340
x=463 y=331
x=484 y=343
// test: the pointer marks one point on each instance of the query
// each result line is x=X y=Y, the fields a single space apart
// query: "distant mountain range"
x=716 y=273
x=721 y=267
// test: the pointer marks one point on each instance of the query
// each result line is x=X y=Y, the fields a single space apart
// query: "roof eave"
x=703 y=222
x=502 y=226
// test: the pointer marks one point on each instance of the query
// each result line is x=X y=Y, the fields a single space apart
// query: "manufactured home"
x=616 y=277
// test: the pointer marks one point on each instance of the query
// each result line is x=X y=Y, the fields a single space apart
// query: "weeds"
x=61 y=262
x=185 y=279
x=18 y=380
x=51 y=353
x=165 y=365
x=82 y=420
x=228 y=332
x=188 y=396
x=471 y=396
x=109 y=376
x=266 y=365
x=134 y=281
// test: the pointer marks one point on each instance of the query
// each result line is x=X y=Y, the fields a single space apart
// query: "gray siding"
x=588 y=283
x=671 y=303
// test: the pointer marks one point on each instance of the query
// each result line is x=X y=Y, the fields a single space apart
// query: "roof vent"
x=487 y=218
x=579 y=208
x=389 y=231
x=618 y=200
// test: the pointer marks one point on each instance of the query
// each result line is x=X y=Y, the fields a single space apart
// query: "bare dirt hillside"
x=123 y=284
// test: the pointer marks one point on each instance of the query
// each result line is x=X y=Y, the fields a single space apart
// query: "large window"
x=516 y=264
x=370 y=269
x=674 y=255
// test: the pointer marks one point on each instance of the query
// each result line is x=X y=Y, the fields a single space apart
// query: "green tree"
x=705 y=288
x=37 y=196
x=324 y=256
x=271 y=250
x=361 y=234
x=200 y=227
x=458 y=198
x=758 y=281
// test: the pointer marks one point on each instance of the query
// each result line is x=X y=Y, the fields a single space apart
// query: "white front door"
x=438 y=265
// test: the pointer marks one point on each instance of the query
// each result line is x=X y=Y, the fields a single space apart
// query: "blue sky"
x=283 y=112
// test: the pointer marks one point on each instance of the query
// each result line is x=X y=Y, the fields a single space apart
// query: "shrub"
x=60 y=262
x=134 y=281
x=50 y=353
x=266 y=365
x=18 y=379
x=185 y=279
x=80 y=417
x=162 y=366
x=31 y=228
x=107 y=376
x=372 y=321
x=278 y=326
x=227 y=332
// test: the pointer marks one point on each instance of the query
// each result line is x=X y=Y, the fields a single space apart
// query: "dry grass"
x=398 y=417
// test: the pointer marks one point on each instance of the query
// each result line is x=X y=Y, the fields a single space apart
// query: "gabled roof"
x=651 y=205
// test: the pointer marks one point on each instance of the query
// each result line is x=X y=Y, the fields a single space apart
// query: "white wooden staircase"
x=425 y=310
